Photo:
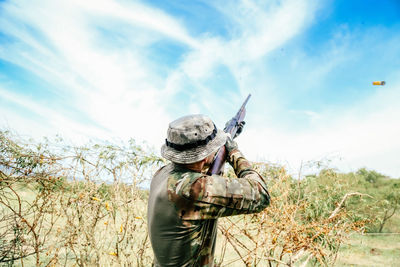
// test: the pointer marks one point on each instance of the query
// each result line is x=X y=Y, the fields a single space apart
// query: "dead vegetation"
x=55 y=211
x=293 y=230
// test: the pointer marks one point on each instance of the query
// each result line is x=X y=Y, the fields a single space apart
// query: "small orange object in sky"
x=379 y=83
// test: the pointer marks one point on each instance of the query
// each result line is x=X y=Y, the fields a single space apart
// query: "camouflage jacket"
x=184 y=206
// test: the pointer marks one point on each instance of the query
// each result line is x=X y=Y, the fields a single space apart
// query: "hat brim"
x=196 y=154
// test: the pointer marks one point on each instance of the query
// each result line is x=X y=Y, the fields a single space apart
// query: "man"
x=184 y=202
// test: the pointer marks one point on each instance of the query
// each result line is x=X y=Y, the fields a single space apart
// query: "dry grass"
x=55 y=212
x=78 y=226
x=371 y=250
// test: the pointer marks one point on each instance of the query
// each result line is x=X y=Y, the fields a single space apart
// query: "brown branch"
x=275 y=260
x=339 y=206
x=234 y=247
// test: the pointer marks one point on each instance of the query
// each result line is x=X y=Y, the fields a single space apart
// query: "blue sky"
x=124 y=69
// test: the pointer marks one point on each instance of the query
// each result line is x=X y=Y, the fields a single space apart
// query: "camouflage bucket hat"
x=191 y=139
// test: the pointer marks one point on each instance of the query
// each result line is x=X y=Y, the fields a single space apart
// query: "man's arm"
x=210 y=197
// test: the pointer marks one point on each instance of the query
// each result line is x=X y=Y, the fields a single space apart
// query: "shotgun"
x=231 y=128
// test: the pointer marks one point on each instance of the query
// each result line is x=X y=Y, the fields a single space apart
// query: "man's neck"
x=196 y=167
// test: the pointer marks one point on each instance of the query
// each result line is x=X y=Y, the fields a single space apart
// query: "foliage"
x=306 y=222
x=82 y=205
x=54 y=210
x=385 y=200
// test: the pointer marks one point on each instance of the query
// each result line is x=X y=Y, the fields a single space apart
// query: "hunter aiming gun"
x=231 y=128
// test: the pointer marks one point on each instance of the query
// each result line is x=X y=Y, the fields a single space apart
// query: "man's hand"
x=230 y=144
x=240 y=127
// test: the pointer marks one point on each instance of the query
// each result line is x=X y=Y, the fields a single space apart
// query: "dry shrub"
x=303 y=225
x=56 y=211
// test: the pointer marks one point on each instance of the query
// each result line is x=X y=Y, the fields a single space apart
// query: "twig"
x=276 y=260
x=336 y=211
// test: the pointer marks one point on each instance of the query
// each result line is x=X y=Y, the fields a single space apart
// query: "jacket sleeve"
x=215 y=196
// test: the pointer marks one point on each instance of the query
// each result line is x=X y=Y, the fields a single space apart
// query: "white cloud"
x=270 y=28
x=115 y=85
x=47 y=121
x=257 y=30
x=353 y=138
x=115 y=88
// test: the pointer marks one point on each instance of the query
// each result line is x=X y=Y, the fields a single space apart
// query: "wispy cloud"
x=257 y=30
x=102 y=64
x=116 y=89
x=37 y=120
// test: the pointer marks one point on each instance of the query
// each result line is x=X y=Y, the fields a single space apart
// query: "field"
x=370 y=250
x=358 y=250
x=55 y=211
x=374 y=249
x=363 y=250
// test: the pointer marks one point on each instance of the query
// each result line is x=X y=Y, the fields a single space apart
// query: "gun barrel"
x=247 y=99
x=219 y=160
